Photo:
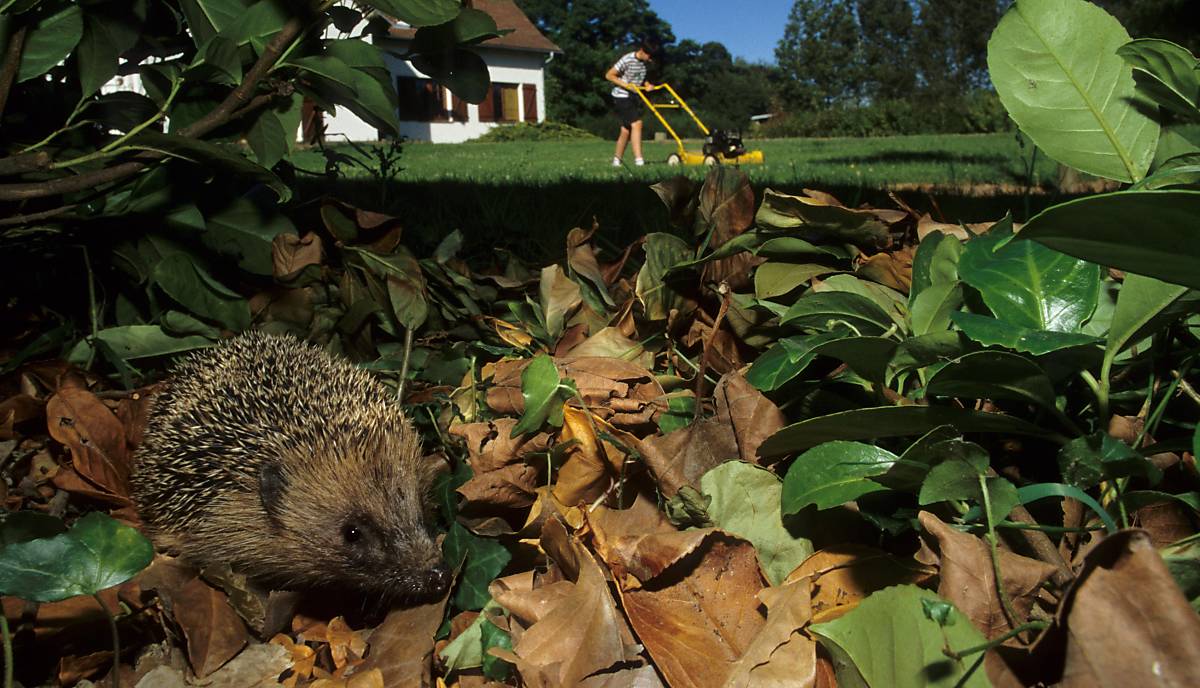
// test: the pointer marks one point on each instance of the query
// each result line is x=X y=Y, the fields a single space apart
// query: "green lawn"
x=987 y=161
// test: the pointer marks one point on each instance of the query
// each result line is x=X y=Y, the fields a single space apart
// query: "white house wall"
x=504 y=66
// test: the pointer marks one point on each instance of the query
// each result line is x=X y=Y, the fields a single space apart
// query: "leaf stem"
x=1005 y=603
x=116 y=640
x=8 y=653
x=997 y=641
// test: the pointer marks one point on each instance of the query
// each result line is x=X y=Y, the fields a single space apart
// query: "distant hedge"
x=541 y=131
x=979 y=113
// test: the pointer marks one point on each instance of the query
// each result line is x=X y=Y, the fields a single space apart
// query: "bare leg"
x=636 y=127
x=621 y=141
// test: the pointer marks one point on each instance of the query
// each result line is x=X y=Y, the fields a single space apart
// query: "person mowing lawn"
x=629 y=75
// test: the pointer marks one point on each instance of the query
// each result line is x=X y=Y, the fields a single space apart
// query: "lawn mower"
x=720 y=146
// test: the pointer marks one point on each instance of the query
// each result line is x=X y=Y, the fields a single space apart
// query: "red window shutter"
x=487 y=109
x=458 y=108
x=530 y=92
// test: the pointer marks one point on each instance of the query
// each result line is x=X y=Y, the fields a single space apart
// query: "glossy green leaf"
x=787 y=359
x=1181 y=170
x=662 y=252
x=1038 y=491
x=891 y=421
x=478 y=560
x=929 y=349
x=1055 y=66
x=890 y=640
x=791 y=249
x=1140 y=304
x=471 y=26
x=931 y=310
x=889 y=300
x=258 y=23
x=213 y=158
x=832 y=310
x=1028 y=285
x=49 y=41
x=192 y=286
x=1173 y=80
x=207 y=18
x=107 y=33
x=745 y=501
x=418 y=12
x=353 y=88
x=462 y=71
x=909 y=471
x=993 y=332
x=97 y=553
x=833 y=473
x=935 y=262
x=994 y=375
x=244 y=231
x=867 y=356
x=540 y=389
x=132 y=342
x=491 y=636
x=1112 y=229
x=957 y=476
x=1088 y=461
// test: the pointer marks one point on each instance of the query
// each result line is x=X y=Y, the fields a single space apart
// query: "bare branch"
x=12 y=62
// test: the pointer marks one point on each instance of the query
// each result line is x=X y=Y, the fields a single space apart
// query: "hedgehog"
x=293 y=467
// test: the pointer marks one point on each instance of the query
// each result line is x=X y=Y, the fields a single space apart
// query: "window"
x=502 y=104
x=421 y=100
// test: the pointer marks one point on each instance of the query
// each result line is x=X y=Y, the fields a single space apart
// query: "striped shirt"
x=631 y=70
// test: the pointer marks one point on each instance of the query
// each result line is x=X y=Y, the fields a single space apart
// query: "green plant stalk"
x=8 y=653
x=1099 y=389
x=116 y=640
x=997 y=641
x=114 y=147
x=995 y=554
x=92 y=315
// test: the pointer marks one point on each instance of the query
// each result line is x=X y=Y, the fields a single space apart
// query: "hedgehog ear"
x=271 y=485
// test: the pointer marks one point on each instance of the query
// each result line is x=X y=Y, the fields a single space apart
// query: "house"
x=430 y=112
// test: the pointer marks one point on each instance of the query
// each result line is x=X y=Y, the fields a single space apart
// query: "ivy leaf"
x=479 y=561
x=97 y=553
x=543 y=396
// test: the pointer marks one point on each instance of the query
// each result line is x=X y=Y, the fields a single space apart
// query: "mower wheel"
x=710 y=160
x=674 y=159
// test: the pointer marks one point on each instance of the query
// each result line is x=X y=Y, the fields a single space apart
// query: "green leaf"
x=1032 y=493
x=1174 y=81
x=480 y=559
x=957 y=477
x=1140 y=303
x=466 y=650
x=889 y=300
x=107 y=32
x=745 y=501
x=355 y=88
x=909 y=471
x=890 y=640
x=418 y=12
x=214 y=158
x=540 y=389
x=787 y=359
x=891 y=421
x=471 y=26
x=679 y=413
x=1028 y=285
x=132 y=342
x=662 y=252
x=244 y=231
x=775 y=278
x=932 y=309
x=460 y=70
x=1088 y=461
x=935 y=262
x=1180 y=170
x=1111 y=229
x=836 y=309
x=189 y=284
x=207 y=18
x=407 y=291
x=50 y=41
x=97 y=553
x=1055 y=67
x=994 y=375
x=832 y=474
x=993 y=332
x=867 y=356
x=259 y=23
x=491 y=636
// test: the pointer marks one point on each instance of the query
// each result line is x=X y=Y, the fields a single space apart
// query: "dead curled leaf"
x=95 y=437
x=621 y=392
x=290 y=254
x=844 y=575
x=780 y=655
x=1124 y=621
x=402 y=647
x=500 y=476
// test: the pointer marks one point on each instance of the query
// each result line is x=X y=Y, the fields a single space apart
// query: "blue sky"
x=748 y=28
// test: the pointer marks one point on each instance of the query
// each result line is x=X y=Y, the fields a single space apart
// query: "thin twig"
x=725 y=292
x=35 y=217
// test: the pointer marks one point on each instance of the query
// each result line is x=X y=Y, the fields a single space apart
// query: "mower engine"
x=724 y=143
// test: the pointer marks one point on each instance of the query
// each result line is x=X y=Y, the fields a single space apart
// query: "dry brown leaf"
x=609 y=342
x=891 y=269
x=701 y=614
x=726 y=204
x=967 y=578
x=683 y=456
x=927 y=225
x=346 y=645
x=844 y=575
x=302 y=657
x=583 y=633
x=1124 y=621
x=592 y=464
x=258 y=666
x=560 y=298
x=752 y=416
x=641 y=677
x=402 y=646
x=290 y=254
x=96 y=439
x=780 y=655
x=214 y=632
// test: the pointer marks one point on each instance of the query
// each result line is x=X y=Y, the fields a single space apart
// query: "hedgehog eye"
x=351 y=533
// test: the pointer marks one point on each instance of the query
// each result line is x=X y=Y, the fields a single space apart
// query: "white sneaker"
x=616 y=162
x=639 y=162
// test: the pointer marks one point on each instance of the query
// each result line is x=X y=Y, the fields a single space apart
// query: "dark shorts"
x=629 y=110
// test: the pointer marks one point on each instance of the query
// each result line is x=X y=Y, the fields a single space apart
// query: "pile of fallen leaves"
x=627 y=503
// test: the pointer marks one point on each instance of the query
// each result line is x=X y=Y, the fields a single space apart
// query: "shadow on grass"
x=532 y=221
x=917 y=156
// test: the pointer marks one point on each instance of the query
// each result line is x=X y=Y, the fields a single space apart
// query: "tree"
x=592 y=34
x=887 y=48
x=950 y=48
x=820 y=54
x=1173 y=20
